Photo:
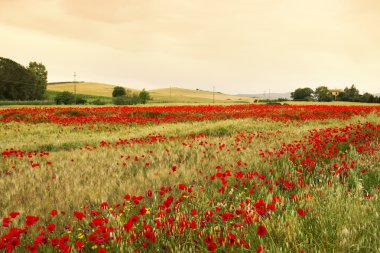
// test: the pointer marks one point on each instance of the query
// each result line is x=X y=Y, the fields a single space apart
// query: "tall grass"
x=90 y=164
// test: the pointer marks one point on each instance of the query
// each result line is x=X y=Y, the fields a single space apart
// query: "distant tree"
x=118 y=91
x=302 y=94
x=40 y=73
x=322 y=94
x=80 y=100
x=144 y=96
x=65 y=98
x=134 y=99
x=367 y=98
x=349 y=94
x=120 y=100
x=16 y=82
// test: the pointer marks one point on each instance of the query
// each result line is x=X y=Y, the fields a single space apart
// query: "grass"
x=179 y=95
x=89 y=98
x=88 y=88
x=85 y=171
x=167 y=95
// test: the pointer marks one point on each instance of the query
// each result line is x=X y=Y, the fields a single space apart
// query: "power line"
x=75 y=88
x=213 y=94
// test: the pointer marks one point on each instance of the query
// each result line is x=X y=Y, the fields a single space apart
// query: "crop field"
x=166 y=95
x=232 y=178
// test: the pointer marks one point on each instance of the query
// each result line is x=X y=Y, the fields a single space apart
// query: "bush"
x=65 y=98
x=81 y=101
x=98 y=102
x=120 y=100
x=118 y=91
x=144 y=96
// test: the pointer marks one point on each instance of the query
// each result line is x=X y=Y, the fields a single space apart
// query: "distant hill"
x=180 y=95
x=267 y=95
x=165 y=95
x=88 y=88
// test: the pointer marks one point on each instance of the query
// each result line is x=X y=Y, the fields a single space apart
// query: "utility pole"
x=75 y=88
x=213 y=94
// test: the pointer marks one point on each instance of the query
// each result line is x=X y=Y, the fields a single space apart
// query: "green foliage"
x=66 y=98
x=90 y=99
x=132 y=98
x=144 y=96
x=38 y=70
x=352 y=94
x=118 y=91
x=120 y=100
x=81 y=100
x=322 y=94
x=302 y=94
x=98 y=102
x=28 y=102
x=349 y=94
x=16 y=82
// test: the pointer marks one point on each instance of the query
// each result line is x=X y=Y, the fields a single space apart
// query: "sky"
x=238 y=46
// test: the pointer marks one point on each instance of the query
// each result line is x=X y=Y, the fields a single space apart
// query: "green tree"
x=16 y=82
x=144 y=96
x=40 y=73
x=367 y=98
x=66 y=98
x=120 y=100
x=322 y=93
x=118 y=91
x=302 y=94
x=350 y=94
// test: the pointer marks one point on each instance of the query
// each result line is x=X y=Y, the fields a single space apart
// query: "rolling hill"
x=267 y=95
x=88 y=88
x=180 y=95
x=165 y=95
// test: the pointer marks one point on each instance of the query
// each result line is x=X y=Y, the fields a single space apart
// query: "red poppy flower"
x=79 y=244
x=261 y=230
x=79 y=215
x=50 y=227
x=211 y=247
x=54 y=242
x=14 y=214
x=301 y=212
x=53 y=213
x=31 y=220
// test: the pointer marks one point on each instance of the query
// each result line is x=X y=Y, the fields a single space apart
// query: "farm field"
x=166 y=95
x=89 y=88
x=232 y=178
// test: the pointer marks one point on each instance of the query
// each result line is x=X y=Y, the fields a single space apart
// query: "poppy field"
x=235 y=178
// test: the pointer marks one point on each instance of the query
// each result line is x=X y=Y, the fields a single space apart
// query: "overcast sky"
x=238 y=46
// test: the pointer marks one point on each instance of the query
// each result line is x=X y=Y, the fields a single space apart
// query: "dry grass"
x=179 y=95
x=81 y=176
x=89 y=88
x=173 y=95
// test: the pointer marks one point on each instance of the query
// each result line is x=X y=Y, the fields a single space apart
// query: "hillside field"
x=166 y=95
x=232 y=178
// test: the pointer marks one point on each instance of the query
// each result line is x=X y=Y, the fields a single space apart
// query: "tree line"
x=122 y=96
x=22 y=83
x=323 y=94
x=19 y=83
